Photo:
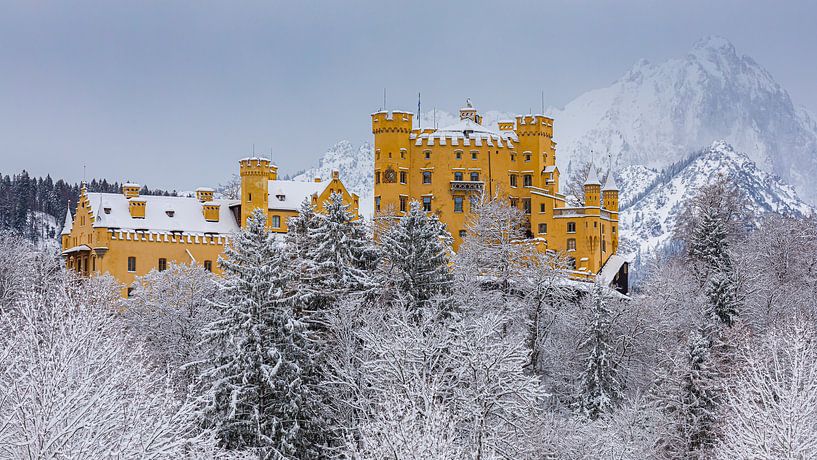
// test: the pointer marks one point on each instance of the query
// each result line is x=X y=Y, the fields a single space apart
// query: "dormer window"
x=281 y=197
x=107 y=210
x=170 y=213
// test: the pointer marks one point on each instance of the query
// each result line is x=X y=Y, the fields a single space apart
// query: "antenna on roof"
x=543 y=102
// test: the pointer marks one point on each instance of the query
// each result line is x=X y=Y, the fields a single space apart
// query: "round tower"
x=255 y=175
x=610 y=193
x=592 y=189
x=392 y=158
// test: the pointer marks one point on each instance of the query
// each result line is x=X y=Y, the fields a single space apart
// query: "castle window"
x=403 y=177
x=527 y=180
x=403 y=201
x=377 y=155
x=614 y=229
x=474 y=176
x=427 y=203
x=131 y=264
x=427 y=154
x=527 y=157
x=457 y=204
x=377 y=203
x=389 y=154
x=130 y=292
x=458 y=155
x=543 y=228
x=541 y=207
x=462 y=233
x=571 y=227
x=107 y=210
x=426 y=177
x=526 y=205
x=170 y=213
x=514 y=180
x=514 y=202
x=377 y=177
x=473 y=155
x=162 y=264
x=249 y=197
x=402 y=154
x=457 y=175
x=603 y=245
x=276 y=221
x=571 y=244
x=208 y=265
x=513 y=157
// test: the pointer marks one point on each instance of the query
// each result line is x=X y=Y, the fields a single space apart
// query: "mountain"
x=655 y=114
x=356 y=168
x=648 y=217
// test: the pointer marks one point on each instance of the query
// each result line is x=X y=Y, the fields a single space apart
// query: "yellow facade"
x=128 y=235
x=449 y=168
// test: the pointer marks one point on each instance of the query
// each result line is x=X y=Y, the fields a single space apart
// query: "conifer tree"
x=340 y=258
x=259 y=380
x=697 y=405
x=416 y=249
x=600 y=389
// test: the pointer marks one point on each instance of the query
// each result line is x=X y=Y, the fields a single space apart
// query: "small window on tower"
x=208 y=265
x=541 y=207
x=162 y=265
x=458 y=155
x=403 y=177
x=527 y=157
x=571 y=227
x=131 y=264
x=457 y=204
x=543 y=228
x=426 y=177
x=377 y=177
x=473 y=155
x=403 y=201
x=428 y=155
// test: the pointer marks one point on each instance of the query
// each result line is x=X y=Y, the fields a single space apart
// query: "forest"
x=329 y=343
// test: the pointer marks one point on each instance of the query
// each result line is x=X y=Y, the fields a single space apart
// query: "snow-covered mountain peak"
x=713 y=45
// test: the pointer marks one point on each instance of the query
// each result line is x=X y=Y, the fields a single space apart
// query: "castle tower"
x=536 y=149
x=610 y=193
x=392 y=160
x=592 y=189
x=255 y=174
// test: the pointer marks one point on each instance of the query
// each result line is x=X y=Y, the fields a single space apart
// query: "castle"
x=448 y=170
x=128 y=235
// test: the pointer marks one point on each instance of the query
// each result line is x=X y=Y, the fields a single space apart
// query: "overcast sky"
x=171 y=94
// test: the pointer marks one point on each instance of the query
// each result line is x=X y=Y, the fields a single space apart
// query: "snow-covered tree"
x=74 y=385
x=491 y=245
x=416 y=252
x=599 y=386
x=722 y=292
x=692 y=402
x=260 y=376
x=772 y=402
x=340 y=259
x=167 y=311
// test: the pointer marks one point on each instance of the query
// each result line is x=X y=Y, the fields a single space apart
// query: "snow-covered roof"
x=69 y=223
x=111 y=211
x=550 y=169
x=592 y=177
x=80 y=248
x=608 y=272
x=131 y=184
x=610 y=183
x=466 y=124
x=289 y=194
x=477 y=135
x=205 y=189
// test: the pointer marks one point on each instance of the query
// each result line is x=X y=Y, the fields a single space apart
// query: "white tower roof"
x=592 y=177
x=69 y=223
x=610 y=183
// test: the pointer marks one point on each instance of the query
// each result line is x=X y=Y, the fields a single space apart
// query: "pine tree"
x=340 y=257
x=698 y=403
x=260 y=377
x=721 y=292
x=708 y=244
x=600 y=390
x=417 y=249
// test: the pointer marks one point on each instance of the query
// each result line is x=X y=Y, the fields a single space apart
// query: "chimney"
x=210 y=211
x=131 y=190
x=204 y=194
x=317 y=179
x=137 y=206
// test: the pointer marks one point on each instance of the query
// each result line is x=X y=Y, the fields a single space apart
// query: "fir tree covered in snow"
x=259 y=379
x=416 y=250
x=599 y=389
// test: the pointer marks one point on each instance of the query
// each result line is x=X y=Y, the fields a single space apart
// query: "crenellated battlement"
x=392 y=122
x=534 y=125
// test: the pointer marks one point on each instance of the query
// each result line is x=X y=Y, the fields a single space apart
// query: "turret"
x=204 y=194
x=535 y=148
x=610 y=193
x=592 y=189
x=67 y=227
x=255 y=175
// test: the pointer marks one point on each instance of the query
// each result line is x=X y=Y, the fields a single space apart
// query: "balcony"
x=467 y=186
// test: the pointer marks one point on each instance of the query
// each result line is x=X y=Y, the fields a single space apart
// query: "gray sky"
x=171 y=94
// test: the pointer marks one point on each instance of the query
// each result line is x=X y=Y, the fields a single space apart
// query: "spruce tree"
x=698 y=402
x=260 y=374
x=600 y=390
x=341 y=256
x=417 y=249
